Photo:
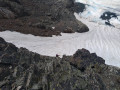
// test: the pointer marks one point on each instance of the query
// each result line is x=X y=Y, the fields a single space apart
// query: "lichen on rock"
x=25 y=70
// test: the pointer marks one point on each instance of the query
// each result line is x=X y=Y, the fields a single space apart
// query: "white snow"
x=103 y=3
x=115 y=22
x=101 y=39
x=95 y=8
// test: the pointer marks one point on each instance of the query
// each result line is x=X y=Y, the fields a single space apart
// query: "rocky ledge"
x=40 y=17
x=21 y=69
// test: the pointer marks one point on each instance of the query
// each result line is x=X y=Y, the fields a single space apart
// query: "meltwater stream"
x=102 y=40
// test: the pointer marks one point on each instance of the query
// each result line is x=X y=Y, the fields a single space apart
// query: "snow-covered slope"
x=102 y=11
x=102 y=3
x=101 y=39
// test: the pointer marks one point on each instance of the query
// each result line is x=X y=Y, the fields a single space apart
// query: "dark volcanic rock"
x=68 y=30
x=5 y=13
x=83 y=59
x=43 y=15
x=21 y=69
x=11 y=9
x=79 y=7
x=107 y=16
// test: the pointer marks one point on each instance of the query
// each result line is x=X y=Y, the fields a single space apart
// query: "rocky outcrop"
x=79 y=7
x=10 y=9
x=21 y=69
x=43 y=16
x=5 y=13
x=83 y=59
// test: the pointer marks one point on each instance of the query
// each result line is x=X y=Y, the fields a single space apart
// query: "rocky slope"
x=21 y=69
x=10 y=9
x=40 y=17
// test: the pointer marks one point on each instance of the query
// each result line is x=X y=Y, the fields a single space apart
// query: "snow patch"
x=101 y=39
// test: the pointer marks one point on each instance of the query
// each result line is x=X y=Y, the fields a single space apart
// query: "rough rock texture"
x=40 y=17
x=10 y=9
x=5 y=13
x=21 y=69
x=79 y=7
x=82 y=59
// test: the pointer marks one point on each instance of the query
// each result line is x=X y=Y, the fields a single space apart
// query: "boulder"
x=68 y=30
x=83 y=59
x=79 y=7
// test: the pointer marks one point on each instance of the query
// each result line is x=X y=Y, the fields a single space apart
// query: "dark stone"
x=2 y=40
x=68 y=30
x=83 y=59
x=17 y=1
x=108 y=15
x=79 y=7
x=5 y=13
x=11 y=9
x=37 y=17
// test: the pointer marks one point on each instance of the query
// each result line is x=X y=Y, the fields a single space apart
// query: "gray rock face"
x=58 y=13
x=79 y=7
x=5 y=13
x=10 y=9
x=43 y=15
x=21 y=69
x=62 y=13
x=83 y=59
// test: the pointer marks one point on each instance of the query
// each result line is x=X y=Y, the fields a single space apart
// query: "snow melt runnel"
x=101 y=39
